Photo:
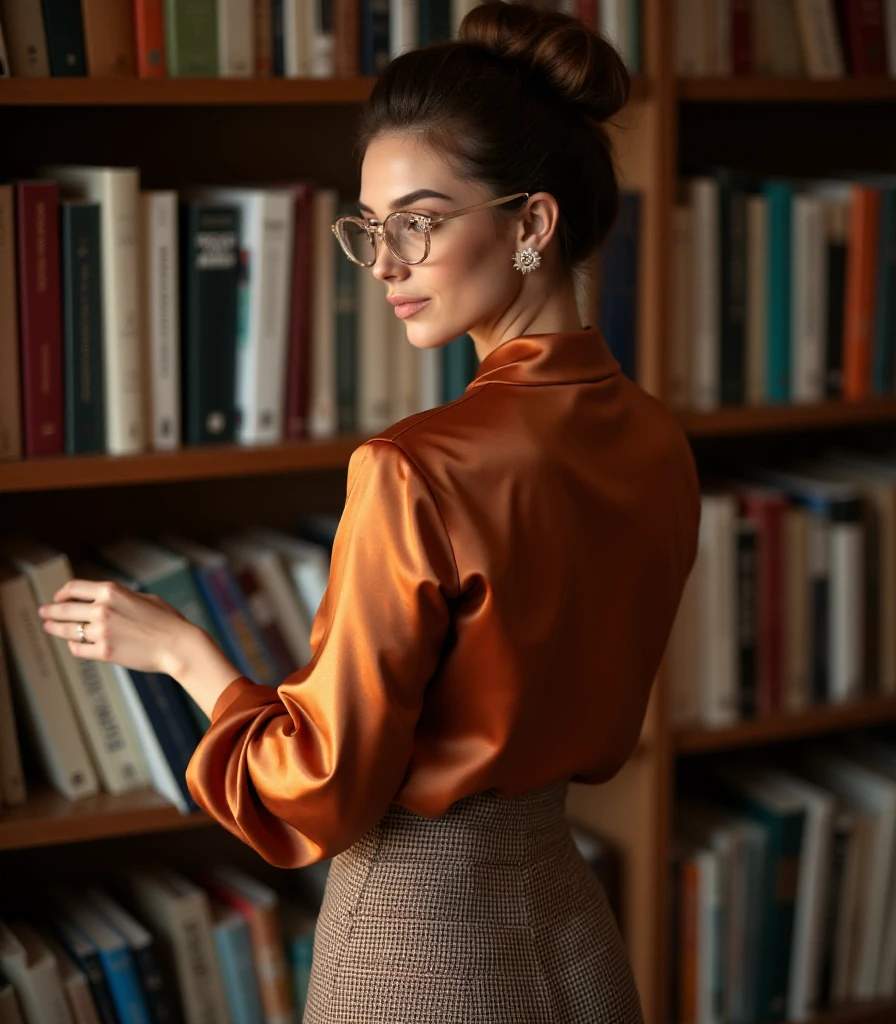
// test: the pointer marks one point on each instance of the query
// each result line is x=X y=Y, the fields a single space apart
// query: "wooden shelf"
x=91 y=92
x=103 y=92
x=226 y=461
x=786 y=90
x=761 y=419
x=49 y=819
x=813 y=722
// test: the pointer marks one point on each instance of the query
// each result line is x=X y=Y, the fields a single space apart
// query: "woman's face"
x=468 y=279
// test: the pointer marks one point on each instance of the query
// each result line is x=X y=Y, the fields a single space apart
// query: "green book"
x=191 y=38
x=82 y=327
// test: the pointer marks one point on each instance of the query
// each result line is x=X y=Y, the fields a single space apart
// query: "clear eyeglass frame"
x=376 y=230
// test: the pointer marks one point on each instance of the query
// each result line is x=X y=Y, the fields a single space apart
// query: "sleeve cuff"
x=229 y=694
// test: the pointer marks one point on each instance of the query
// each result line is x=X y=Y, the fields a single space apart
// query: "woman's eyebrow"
x=411 y=197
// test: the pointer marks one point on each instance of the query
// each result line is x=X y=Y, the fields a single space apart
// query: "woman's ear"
x=539 y=222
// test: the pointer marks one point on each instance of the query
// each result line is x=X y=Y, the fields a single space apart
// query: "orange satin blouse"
x=503 y=583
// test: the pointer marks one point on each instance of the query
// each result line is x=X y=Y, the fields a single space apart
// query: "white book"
x=10 y=393
x=809 y=302
x=615 y=25
x=376 y=369
x=75 y=985
x=12 y=777
x=719 y=690
x=429 y=366
x=459 y=10
x=322 y=54
x=821 y=38
x=179 y=914
x=681 y=328
x=236 y=38
x=757 y=299
x=289 y=612
x=161 y=775
x=31 y=968
x=117 y=190
x=266 y=234
x=296 y=38
x=323 y=405
x=871 y=792
x=26 y=40
x=402 y=26
x=161 y=310
x=92 y=688
x=42 y=693
x=307 y=563
x=705 y=281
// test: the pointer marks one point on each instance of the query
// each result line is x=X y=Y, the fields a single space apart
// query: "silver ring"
x=81 y=635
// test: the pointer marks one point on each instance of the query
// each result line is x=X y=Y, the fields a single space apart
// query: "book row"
x=134 y=319
x=792 y=598
x=156 y=944
x=821 y=39
x=782 y=883
x=94 y=725
x=784 y=291
x=249 y=38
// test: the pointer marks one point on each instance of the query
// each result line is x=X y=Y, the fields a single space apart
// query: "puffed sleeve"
x=302 y=771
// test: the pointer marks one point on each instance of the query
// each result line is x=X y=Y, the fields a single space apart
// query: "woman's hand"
x=139 y=631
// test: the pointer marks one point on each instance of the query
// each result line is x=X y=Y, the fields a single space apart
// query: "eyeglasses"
x=405 y=233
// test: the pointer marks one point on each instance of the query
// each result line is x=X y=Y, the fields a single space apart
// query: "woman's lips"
x=405 y=309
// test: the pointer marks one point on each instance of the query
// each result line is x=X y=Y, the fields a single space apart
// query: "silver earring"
x=526 y=260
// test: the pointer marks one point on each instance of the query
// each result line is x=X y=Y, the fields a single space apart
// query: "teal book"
x=458 y=367
x=82 y=328
x=733 y=284
x=782 y=816
x=347 y=289
x=233 y=944
x=778 y=283
x=191 y=38
x=209 y=297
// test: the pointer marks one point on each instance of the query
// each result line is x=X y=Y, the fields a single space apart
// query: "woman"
x=503 y=581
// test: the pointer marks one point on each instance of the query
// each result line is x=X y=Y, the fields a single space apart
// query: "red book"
x=149 y=18
x=766 y=509
x=741 y=37
x=40 y=316
x=864 y=36
x=859 y=299
x=299 y=357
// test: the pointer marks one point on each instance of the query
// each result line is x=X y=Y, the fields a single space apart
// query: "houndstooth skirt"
x=487 y=915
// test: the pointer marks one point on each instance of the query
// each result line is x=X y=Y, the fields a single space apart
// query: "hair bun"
x=575 y=63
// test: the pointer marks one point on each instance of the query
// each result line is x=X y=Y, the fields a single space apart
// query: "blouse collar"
x=548 y=359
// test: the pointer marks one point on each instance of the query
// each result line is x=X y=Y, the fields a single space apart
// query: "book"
x=10 y=393
x=31 y=968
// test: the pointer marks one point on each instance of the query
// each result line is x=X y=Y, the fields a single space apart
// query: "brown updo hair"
x=518 y=102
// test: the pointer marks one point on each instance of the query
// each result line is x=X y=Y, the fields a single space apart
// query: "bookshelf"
x=233 y=130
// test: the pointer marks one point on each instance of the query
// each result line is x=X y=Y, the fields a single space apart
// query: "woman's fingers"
x=69 y=631
x=71 y=611
x=86 y=590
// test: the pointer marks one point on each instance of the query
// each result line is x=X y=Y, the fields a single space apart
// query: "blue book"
x=233 y=945
x=85 y=955
x=778 y=286
x=375 y=53
x=619 y=285
x=115 y=957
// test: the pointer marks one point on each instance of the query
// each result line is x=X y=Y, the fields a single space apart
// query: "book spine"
x=236 y=43
x=88 y=960
x=347 y=37
x=192 y=38
x=807 y=322
x=733 y=297
x=162 y=318
x=124 y=985
x=299 y=351
x=65 y=38
x=262 y=612
x=209 y=294
x=26 y=40
x=778 y=291
x=746 y=618
x=884 y=319
x=835 y=301
x=347 y=284
x=864 y=228
x=278 y=38
x=619 y=285
x=10 y=392
x=12 y=777
x=110 y=38
x=322 y=411
x=152 y=984
x=374 y=36
x=40 y=317
x=263 y=38
x=149 y=17
x=85 y=422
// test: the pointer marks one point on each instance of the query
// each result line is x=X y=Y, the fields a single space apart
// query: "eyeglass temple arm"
x=478 y=206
